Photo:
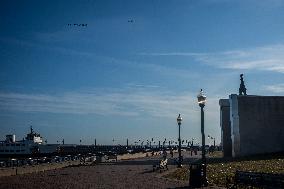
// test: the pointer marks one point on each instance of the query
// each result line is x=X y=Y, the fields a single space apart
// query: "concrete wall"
x=225 y=127
x=235 y=122
x=257 y=124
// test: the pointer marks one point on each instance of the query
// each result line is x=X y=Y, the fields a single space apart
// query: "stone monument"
x=251 y=124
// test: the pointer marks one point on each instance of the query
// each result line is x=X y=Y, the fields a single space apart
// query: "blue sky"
x=116 y=79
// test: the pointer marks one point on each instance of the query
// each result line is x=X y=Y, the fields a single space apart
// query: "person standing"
x=165 y=154
x=172 y=153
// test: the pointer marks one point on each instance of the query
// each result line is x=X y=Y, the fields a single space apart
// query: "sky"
x=133 y=66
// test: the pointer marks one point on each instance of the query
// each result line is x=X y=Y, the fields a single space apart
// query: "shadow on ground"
x=154 y=161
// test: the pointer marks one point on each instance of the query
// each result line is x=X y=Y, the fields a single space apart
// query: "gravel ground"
x=124 y=174
x=9 y=171
x=98 y=176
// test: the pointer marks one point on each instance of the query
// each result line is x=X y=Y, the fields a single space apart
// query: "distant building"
x=252 y=125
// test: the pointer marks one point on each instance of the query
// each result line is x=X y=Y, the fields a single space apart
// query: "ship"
x=31 y=145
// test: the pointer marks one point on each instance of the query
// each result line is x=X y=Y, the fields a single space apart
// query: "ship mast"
x=32 y=130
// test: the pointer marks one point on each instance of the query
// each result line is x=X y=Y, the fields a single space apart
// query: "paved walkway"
x=124 y=174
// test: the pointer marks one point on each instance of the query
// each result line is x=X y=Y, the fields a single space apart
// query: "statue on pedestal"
x=242 y=89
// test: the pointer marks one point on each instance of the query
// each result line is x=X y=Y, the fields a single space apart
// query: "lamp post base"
x=204 y=180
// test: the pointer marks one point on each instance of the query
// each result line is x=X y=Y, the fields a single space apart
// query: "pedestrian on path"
x=172 y=153
x=165 y=154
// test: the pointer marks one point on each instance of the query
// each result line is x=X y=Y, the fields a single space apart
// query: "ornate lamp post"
x=201 y=101
x=179 y=119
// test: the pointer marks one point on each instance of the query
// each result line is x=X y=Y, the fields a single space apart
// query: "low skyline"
x=109 y=70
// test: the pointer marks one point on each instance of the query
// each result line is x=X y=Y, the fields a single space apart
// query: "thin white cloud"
x=267 y=58
x=170 y=54
x=123 y=103
x=278 y=88
x=100 y=59
x=70 y=103
x=270 y=58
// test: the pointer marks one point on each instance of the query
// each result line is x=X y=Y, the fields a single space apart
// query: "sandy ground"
x=137 y=173
x=127 y=174
x=9 y=171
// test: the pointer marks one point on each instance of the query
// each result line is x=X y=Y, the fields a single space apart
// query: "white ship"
x=32 y=145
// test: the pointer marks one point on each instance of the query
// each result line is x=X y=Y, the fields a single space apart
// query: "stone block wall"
x=225 y=127
x=261 y=124
x=257 y=124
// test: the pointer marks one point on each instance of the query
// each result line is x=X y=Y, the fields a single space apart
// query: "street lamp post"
x=179 y=119
x=201 y=101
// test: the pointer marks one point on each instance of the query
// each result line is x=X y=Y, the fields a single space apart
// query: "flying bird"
x=82 y=25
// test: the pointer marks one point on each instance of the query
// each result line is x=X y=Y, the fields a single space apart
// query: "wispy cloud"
x=267 y=58
x=123 y=103
x=278 y=88
x=270 y=58
x=98 y=58
x=70 y=103
x=138 y=104
x=170 y=54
